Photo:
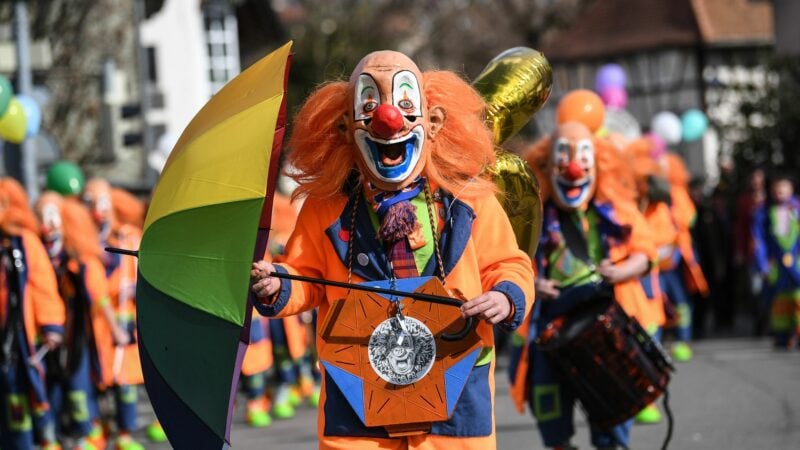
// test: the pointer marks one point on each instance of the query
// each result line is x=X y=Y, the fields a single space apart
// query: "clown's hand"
x=546 y=289
x=52 y=340
x=264 y=286
x=634 y=266
x=493 y=307
x=121 y=336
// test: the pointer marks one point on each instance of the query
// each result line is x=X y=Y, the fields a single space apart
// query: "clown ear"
x=437 y=116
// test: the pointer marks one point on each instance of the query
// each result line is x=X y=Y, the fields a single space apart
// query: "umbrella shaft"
x=360 y=287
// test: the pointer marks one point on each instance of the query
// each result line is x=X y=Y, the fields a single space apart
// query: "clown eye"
x=561 y=153
x=585 y=152
x=370 y=106
x=405 y=104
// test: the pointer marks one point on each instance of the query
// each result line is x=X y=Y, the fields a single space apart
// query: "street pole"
x=148 y=140
x=25 y=86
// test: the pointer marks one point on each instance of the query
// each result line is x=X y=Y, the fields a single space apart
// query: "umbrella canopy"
x=207 y=222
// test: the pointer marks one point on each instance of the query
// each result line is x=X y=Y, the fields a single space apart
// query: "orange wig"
x=80 y=233
x=18 y=212
x=537 y=156
x=455 y=158
x=615 y=174
x=128 y=210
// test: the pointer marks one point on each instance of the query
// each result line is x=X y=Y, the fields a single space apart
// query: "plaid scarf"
x=398 y=219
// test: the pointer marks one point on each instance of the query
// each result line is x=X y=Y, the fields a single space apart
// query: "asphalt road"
x=735 y=394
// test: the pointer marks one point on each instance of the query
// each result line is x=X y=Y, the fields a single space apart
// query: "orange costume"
x=72 y=243
x=118 y=216
x=591 y=224
x=25 y=323
x=684 y=214
x=379 y=159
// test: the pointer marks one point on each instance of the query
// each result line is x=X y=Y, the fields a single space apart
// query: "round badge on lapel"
x=362 y=259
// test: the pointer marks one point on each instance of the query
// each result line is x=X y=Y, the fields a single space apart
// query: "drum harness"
x=576 y=243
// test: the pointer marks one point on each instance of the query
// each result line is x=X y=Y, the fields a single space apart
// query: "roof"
x=612 y=27
x=734 y=21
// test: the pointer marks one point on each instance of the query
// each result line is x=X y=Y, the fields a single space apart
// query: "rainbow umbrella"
x=208 y=220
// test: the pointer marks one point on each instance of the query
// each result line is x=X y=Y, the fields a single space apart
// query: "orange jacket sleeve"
x=96 y=282
x=49 y=310
x=306 y=256
x=503 y=266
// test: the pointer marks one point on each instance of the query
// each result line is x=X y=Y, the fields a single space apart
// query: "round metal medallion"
x=401 y=350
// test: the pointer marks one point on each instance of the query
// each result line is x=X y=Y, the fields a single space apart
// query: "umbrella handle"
x=469 y=325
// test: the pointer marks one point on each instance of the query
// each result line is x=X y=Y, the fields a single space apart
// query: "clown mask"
x=97 y=197
x=390 y=122
x=48 y=210
x=571 y=167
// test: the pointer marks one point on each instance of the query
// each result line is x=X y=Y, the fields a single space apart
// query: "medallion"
x=401 y=350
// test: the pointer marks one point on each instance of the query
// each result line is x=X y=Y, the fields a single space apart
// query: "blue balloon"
x=694 y=124
x=33 y=114
x=610 y=76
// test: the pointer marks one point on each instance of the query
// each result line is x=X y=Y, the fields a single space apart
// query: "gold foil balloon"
x=520 y=197
x=515 y=84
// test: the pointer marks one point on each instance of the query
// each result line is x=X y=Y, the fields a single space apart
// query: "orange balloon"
x=582 y=106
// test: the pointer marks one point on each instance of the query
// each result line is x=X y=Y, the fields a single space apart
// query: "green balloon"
x=65 y=178
x=6 y=94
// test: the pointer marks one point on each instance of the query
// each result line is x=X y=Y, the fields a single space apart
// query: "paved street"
x=735 y=394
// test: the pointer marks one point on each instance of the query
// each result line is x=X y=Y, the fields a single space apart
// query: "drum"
x=611 y=363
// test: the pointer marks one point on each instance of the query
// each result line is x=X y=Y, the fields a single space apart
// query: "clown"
x=680 y=274
x=115 y=230
x=391 y=163
x=92 y=329
x=31 y=321
x=591 y=234
x=776 y=236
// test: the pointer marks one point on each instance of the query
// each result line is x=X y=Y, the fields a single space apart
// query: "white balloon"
x=621 y=121
x=667 y=125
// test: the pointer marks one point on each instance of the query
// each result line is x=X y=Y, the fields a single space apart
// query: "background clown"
x=592 y=234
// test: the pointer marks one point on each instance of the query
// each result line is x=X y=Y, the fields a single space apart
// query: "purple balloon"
x=610 y=75
x=614 y=97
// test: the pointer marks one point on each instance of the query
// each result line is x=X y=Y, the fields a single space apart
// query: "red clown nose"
x=386 y=121
x=573 y=171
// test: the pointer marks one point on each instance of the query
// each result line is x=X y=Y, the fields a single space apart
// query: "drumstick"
x=37 y=357
x=591 y=273
x=119 y=353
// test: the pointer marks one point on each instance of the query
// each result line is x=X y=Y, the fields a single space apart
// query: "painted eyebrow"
x=407 y=85
x=365 y=88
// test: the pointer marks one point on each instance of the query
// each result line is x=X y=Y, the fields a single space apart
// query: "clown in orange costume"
x=92 y=330
x=592 y=233
x=32 y=319
x=118 y=216
x=680 y=273
x=391 y=165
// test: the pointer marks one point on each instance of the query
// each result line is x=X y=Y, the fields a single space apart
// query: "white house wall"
x=177 y=33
